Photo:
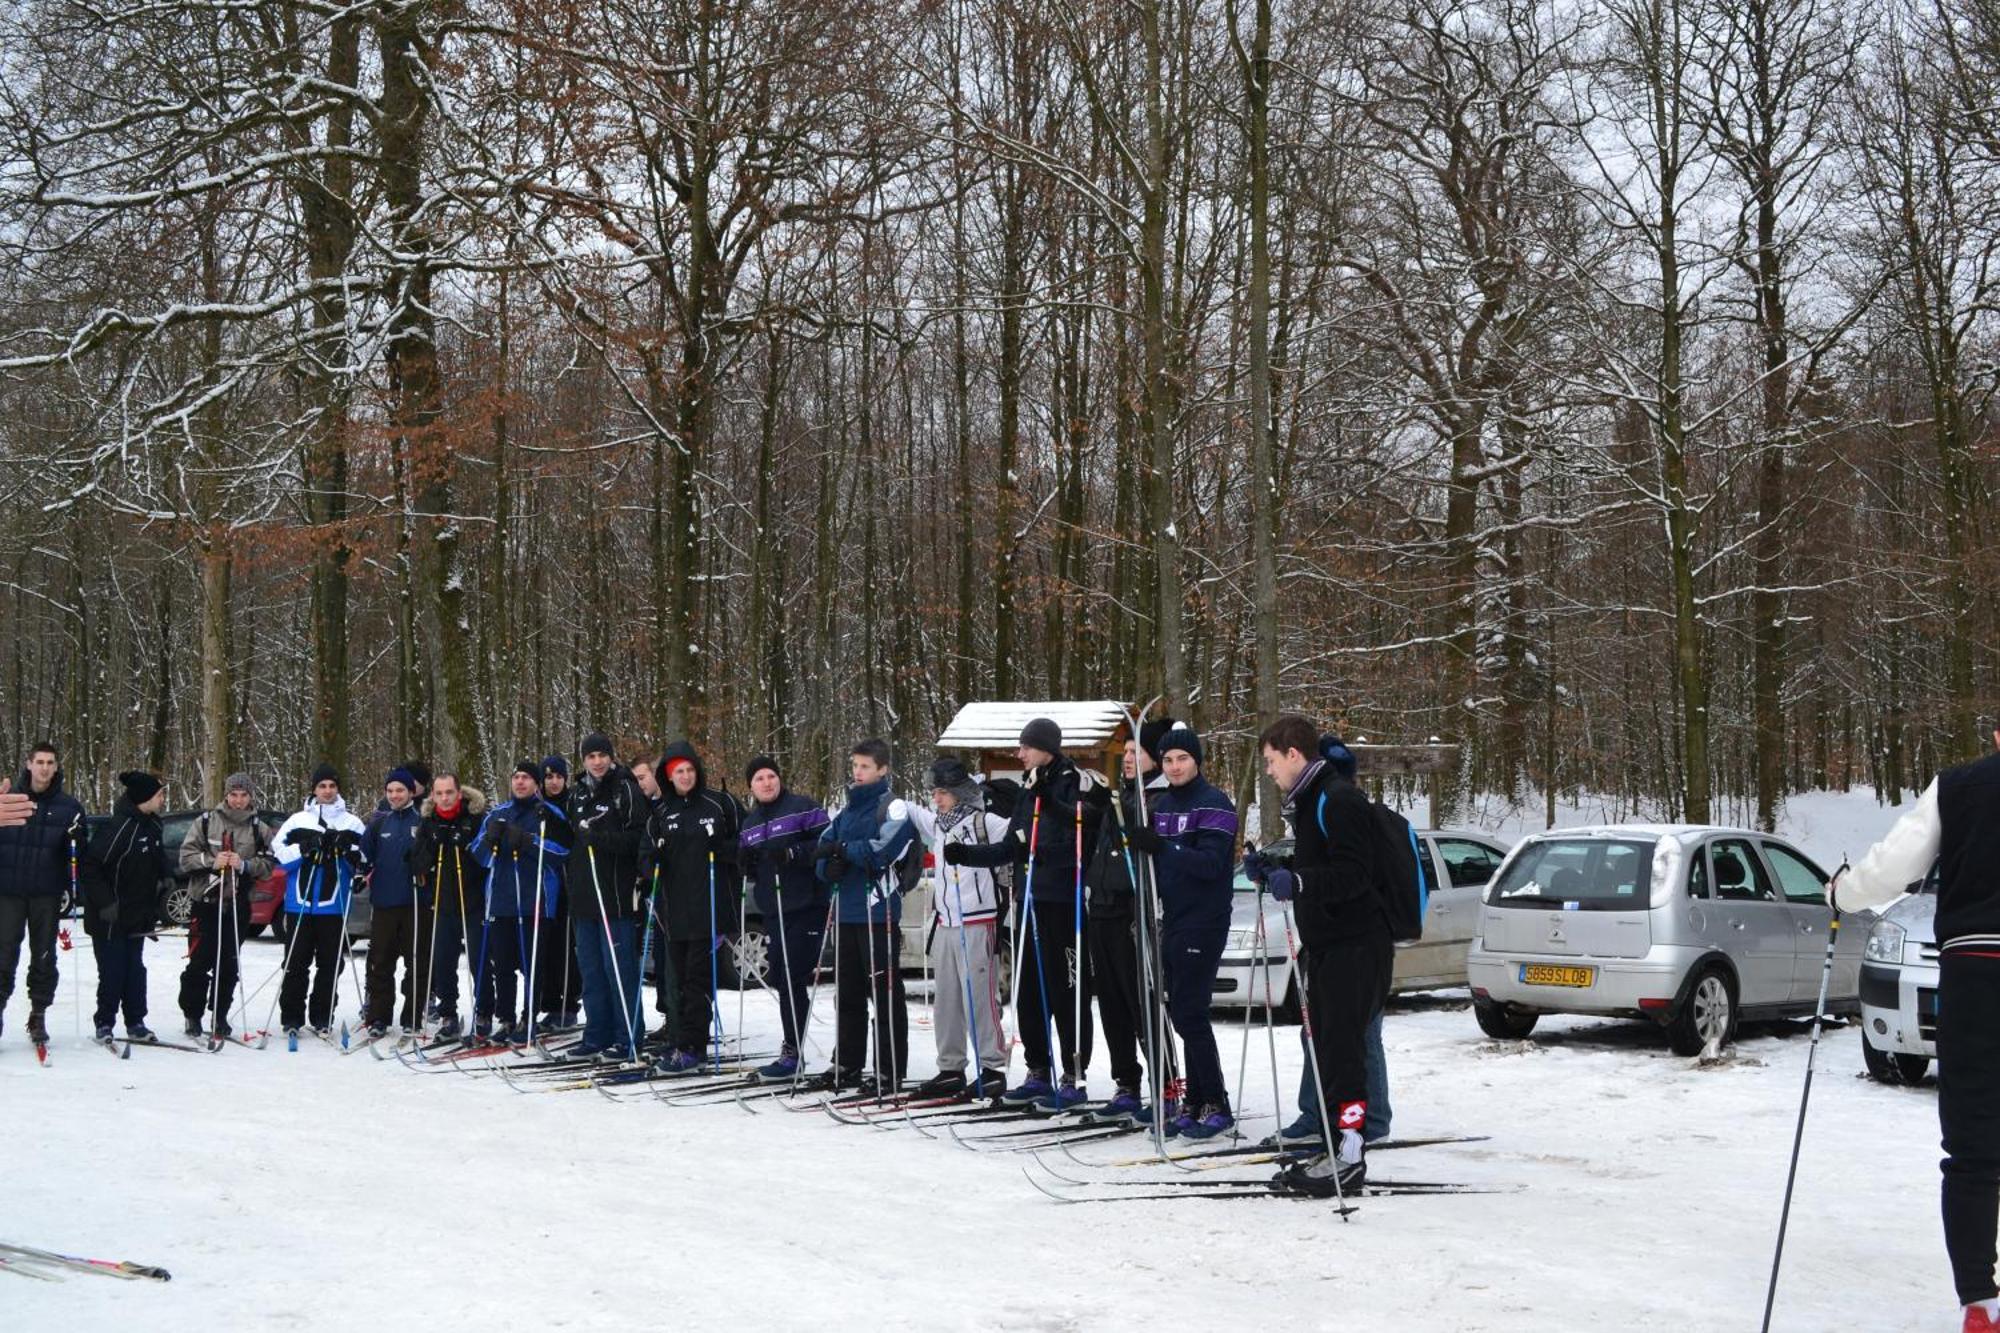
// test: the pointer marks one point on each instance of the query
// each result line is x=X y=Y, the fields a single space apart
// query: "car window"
x=1698 y=874
x=1468 y=864
x=1740 y=876
x=1596 y=874
x=1799 y=879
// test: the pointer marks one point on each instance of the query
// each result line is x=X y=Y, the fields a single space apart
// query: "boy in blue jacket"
x=857 y=855
x=392 y=931
x=1192 y=840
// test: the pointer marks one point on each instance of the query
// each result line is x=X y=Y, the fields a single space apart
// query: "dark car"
x=178 y=892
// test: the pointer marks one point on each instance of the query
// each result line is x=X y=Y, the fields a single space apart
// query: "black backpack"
x=1399 y=874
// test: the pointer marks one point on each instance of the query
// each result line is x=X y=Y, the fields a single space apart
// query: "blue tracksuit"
x=1195 y=871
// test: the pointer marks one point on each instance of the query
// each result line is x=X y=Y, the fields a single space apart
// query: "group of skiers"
x=551 y=903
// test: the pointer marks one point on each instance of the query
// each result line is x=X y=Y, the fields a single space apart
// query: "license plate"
x=1548 y=974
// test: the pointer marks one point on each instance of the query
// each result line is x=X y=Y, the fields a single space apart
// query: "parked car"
x=1899 y=986
x=1692 y=927
x=177 y=891
x=916 y=925
x=1459 y=864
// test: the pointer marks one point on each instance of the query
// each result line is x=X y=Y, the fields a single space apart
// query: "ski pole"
x=1319 y=1085
x=714 y=970
x=535 y=948
x=1076 y=945
x=292 y=941
x=1805 y=1096
x=1140 y=920
x=611 y=951
x=645 y=953
x=222 y=896
x=974 y=1060
x=76 y=897
x=1023 y=916
x=737 y=954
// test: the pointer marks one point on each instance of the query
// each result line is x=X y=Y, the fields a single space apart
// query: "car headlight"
x=1241 y=941
x=1885 y=943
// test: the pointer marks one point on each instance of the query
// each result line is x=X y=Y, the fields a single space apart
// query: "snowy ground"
x=313 y=1191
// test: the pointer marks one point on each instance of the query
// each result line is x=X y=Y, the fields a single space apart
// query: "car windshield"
x=1594 y=874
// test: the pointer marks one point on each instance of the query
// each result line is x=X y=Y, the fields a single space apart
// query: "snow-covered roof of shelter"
x=997 y=726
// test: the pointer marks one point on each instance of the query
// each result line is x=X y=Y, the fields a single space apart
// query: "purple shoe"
x=1033 y=1088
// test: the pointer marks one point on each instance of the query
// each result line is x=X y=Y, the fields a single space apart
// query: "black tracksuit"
x=777 y=851
x=1052 y=804
x=693 y=841
x=121 y=881
x=1968 y=1035
x=1350 y=952
x=1122 y=1001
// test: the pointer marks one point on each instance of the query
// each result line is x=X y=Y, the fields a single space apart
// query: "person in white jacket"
x=964 y=925
x=319 y=848
x=1956 y=825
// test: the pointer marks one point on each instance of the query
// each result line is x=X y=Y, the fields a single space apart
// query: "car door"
x=1461 y=868
x=1752 y=924
x=1803 y=887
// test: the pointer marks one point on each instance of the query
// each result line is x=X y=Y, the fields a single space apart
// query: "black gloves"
x=307 y=840
x=1145 y=839
x=954 y=853
x=835 y=858
x=345 y=842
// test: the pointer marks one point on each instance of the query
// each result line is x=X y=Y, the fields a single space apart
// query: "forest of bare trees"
x=1604 y=386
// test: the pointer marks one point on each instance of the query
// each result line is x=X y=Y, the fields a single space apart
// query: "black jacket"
x=34 y=858
x=687 y=836
x=122 y=870
x=441 y=861
x=607 y=817
x=1108 y=880
x=1334 y=839
x=1046 y=817
x=1968 y=909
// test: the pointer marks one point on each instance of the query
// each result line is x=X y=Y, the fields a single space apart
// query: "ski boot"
x=679 y=1062
x=38 y=1027
x=139 y=1032
x=944 y=1083
x=221 y=1031
x=449 y=1028
x=1213 y=1119
x=780 y=1070
x=1062 y=1099
x=1979 y=1319
x=1322 y=1177
x=103 y=1034
x=1030 y=1090
x=1125 y=1107
x=1303 y=1132
x=377 y=1031
x=992 y=1085
x=192 y=1027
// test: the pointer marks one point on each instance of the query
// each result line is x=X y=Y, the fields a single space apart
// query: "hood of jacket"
x=471 y=801
x=680 y=749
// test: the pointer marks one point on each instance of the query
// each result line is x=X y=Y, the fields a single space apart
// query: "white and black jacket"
x=1955 y=823
x=968 y=890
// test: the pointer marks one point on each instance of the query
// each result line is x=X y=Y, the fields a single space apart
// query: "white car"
x=1459 y=866
x=1899 y=985
x=1690 y=926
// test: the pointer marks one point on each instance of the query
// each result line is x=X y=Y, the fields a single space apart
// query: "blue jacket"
x=541 y=833
x=778 y=843
x=34 y=858
x=1196 y=869
x=320 y=884
x=872 y=830
x=387 y=844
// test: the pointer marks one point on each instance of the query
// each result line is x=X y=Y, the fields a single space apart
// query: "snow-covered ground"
x=314 y=1191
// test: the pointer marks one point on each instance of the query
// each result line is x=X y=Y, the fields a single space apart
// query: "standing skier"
x=389 y=847
x=1192 y=840
x=780 y=831
x=608 y=814
x=36 y=860
x=122 y=873
x=562 y=985
x=857 y=854
x=319 y=848
x=224 y=854
x=965 y=915
x=1956 y=825
x=1342 y=925
x=451 y=889
x=692 y=834
x=1059 y=813
x=1124 y=1000
x=521 y=842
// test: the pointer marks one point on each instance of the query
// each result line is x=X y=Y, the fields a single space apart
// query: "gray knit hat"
x=239 y=782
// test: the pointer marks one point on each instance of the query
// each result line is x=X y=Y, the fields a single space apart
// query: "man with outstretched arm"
x=36 y=859
x=1956 y=825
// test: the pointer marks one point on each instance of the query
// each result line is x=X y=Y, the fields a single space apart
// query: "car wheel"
x=1893 y=1067
x=749 y=960
x=1707 y=1015
x=177 y=905
x=1497 y=1020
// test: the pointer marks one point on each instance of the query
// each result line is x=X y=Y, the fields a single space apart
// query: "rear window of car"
x=1582 y=874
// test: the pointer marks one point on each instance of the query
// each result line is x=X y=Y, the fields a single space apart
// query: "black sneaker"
x=220 y=1031
x=992 y=1083
x=377 y=1031
x=139 y=1032
x=103 y=1034
x=944 y=1083
x=1322 y=1177
x=38 y=1027
x=192 y=1027
x=448 y=1029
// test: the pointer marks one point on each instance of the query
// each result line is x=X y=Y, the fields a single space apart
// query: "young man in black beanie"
x=780 y=831
x=607 y=813
x=561 y=985
x=122 y=874
x=1058 y=816
x=35 y=861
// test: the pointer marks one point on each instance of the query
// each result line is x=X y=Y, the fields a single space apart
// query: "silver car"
x=1899 y=985
x=1460 y=865
x=1692 y=926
